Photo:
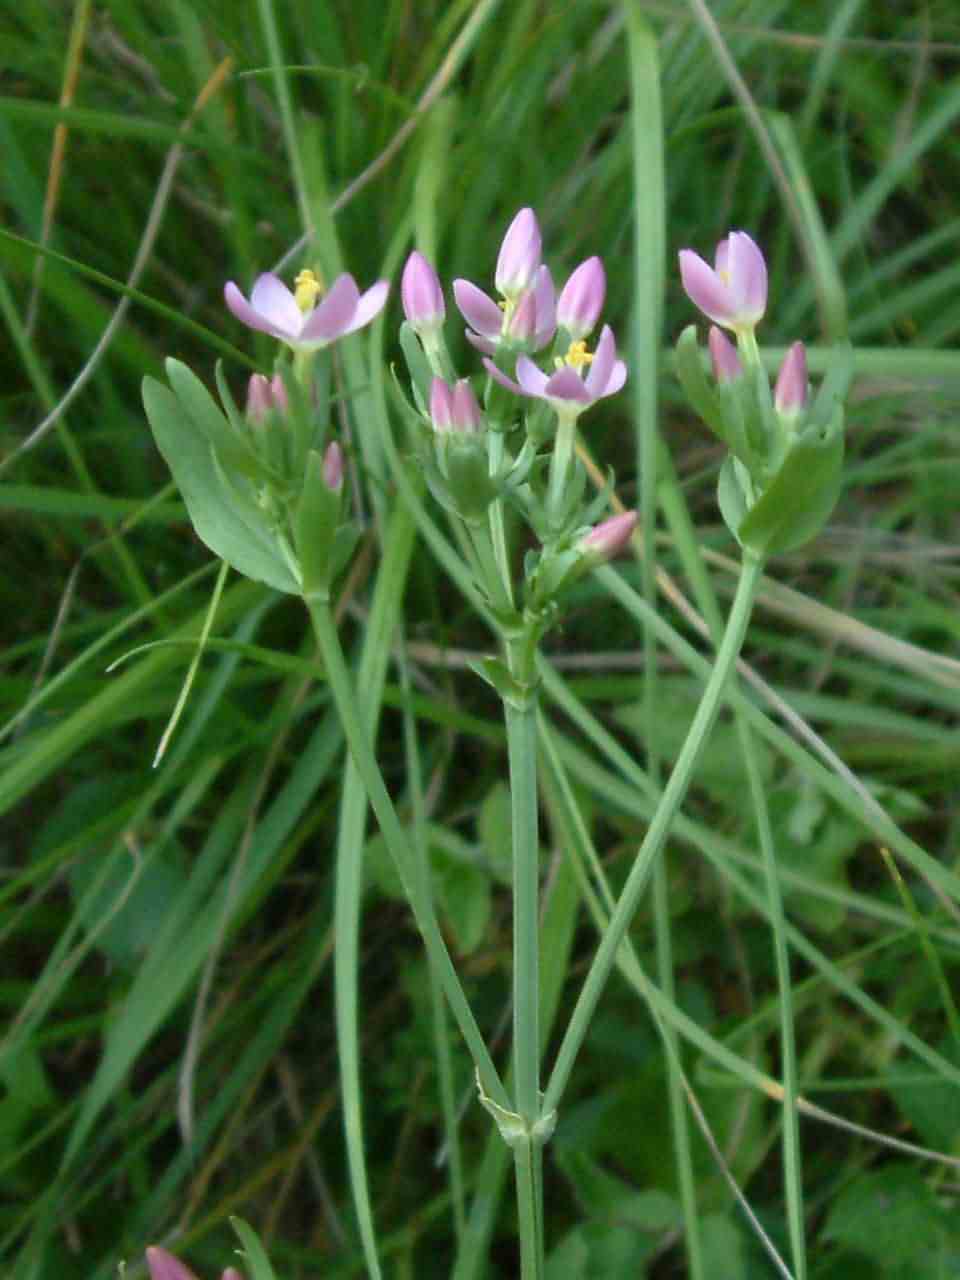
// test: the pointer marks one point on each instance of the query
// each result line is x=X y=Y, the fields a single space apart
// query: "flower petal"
x=545 y=296
x=747 y=272
x=603 y=359
x=242 y=309
x=531 y=377
x=334 y=313
x=369 y=306
x=499 y=376
x=480 y=312
x=705 y=289
x=481 y=344
x=618 y=376
x=566 y=384
x=581 y=299
x=274 y=301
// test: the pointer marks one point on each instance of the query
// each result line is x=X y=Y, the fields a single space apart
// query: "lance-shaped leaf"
x=202 y=410
x=698 y=390
x=315 y=526
x=799 y=500
x=250 y=548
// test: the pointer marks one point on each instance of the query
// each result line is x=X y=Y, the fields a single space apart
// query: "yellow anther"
x=578 y=355
x=306 y=290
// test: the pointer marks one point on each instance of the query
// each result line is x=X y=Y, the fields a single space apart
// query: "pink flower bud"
x=163 y=1265
x=790 y=393
x=466 y=410
x=441 y=405
x=519 y=255
x=733 y=292
x=522 y=326
x=333 y=466
x=259 y=398
x=609 y=538
x=723 y=355
x=581 y=299
x=265 y=396
x=421 y=295
x=278 y=391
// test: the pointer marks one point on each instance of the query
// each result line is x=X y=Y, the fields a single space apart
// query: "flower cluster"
x=467 y=461
x=782 y=479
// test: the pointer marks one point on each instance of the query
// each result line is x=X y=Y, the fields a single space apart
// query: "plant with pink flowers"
x=782 y=478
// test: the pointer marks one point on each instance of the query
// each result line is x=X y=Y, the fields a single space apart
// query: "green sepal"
x=418 y=366
x=233 y=527
x=201 y=409
x=315 y=525
x=463 y=458
x=797 y=503
x=734 y=493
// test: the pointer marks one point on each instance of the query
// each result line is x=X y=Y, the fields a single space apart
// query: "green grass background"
x=168 y=1057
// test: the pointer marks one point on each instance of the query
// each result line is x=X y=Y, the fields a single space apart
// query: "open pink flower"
x=566 y=389
x=273 y=309
x=531 y=318
x=733 y=292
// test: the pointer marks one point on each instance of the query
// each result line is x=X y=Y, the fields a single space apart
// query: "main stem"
x=338 y=680
x=658 y=830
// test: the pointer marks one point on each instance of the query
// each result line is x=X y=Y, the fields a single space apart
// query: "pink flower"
x=581 y=299
x=733 y=293
x=610 y=537
x=566 y=389
x=530 y=319
x=422 y=295
x=790 y=392
x=164 y=1266
x=723 y=356
x=519 y=257
x=273 y=309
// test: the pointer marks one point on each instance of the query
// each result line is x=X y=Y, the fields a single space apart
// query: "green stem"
x=657 y=832
x=498 y=534
x=561 y=460
x=338 y=680
x=788 y=1049
x=526 y=1157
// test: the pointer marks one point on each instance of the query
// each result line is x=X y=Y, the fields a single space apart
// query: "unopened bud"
x=790 y=393
x=723 y=356
x=333 y=466
x=421 y=295
x=581 y=299
x=609 y=538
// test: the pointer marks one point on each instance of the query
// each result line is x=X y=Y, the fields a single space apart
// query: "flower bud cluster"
x=782 y=478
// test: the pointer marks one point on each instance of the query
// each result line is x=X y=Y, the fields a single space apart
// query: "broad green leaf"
x=214 y=511
x=892 y=1216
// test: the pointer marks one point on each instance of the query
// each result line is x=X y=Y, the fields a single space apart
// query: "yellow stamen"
x=577 y=356
x=306 y=290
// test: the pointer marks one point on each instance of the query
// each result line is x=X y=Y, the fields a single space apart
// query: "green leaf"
x=892 y=1216
x=315 y=526
x=244 y=540
x=202 y=410
x=496 y=832
x=254 y=1255
x=801 y=497
x=463 y=896
x=703 y=398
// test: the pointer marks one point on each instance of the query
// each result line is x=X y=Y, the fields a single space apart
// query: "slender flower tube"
x=790 y=392
x=422 y=296
x=610 y=537
x=519 y=255
x=723 y=356
x=303 y=320
x=164 y=1266
x=733 y=292
x=581 y=299
x=566 y=389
